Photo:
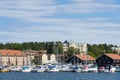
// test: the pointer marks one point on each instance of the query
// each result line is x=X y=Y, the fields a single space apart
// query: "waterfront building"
x=31 y=54
x=52 y=58
x=12 y=57
x=41 y=58
x=108 y=59
x=45 y=58
x=81 y=59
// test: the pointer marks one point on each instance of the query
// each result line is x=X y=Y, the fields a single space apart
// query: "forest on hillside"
x=94 y=50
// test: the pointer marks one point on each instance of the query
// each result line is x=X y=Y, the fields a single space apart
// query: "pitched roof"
x=113 y=56
x=85 y=57
x=11 y=52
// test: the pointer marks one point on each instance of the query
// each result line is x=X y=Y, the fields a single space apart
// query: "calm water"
x=59 y=76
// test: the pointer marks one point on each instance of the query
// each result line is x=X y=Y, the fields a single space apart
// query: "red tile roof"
x=11 y=52
x=84 y=57
x=113 y=56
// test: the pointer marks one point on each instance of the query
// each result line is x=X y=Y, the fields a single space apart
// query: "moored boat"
x=85 y=69
x=93 y=69
x=38 y=69
x=53 y=68
x=77 y=68
x=117 y=69
x=3 y=69
x=15 y=69
x=26 y=69
x=66 y=68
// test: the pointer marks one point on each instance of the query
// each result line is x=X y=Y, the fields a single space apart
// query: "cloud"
x=89 y=7
x=24 y=9
x=48 y=20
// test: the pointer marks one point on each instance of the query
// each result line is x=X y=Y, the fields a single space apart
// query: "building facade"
x=108 y=60
x=13 y=57
x=81 y=59
x=82 y=47
x=32 y=54
x=117 y=49
x=45 y=58
x=52 y=58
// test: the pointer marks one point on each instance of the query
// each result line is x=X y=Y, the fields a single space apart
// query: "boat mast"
x=63 y=56
x=86 y=52
x=56 y=50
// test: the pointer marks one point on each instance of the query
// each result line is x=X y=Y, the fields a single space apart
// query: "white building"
x=45 y=58
x=117 y=49
x=52 y=59
x=82 y=47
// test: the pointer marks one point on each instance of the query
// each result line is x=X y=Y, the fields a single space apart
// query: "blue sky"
x=91 y=21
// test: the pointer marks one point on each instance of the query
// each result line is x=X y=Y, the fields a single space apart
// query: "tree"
x=71 y=51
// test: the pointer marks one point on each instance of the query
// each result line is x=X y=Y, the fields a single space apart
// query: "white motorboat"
x=110 y=69
x=77 y=69
x=85 y=69
x=66 y=68
x=15 y=69
x=117 y=69
x=93 y=69
x=38 y=69
x=26 y=69
x=53 y=68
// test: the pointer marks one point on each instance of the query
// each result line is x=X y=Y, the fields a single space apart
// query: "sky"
x=91 y=21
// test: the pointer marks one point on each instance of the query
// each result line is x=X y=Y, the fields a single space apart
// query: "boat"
x=93 y=69
x=101 y=69
x=26 y=69
x=38 y=69
x=76 y=68
x=110 y=69
x=66 y=68
x=84 y=69
x=4 y=69
x=53 y=68
x=117 y=69
x=15 y=69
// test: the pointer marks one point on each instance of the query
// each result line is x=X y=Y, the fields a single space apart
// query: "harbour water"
x=59 y=76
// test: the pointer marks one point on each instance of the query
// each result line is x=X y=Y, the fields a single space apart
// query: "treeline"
x=52 y=47
x=49 y=46
x=97 y=50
